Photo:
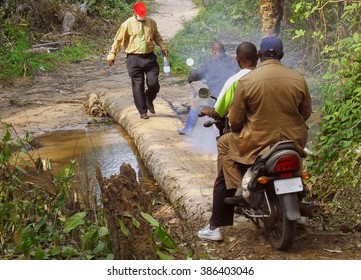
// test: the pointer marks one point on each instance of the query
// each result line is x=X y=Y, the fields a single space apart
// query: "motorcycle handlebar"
x=212 y=122
x=208 y=123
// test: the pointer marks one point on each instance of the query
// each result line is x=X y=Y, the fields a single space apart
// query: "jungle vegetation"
x=324 y=36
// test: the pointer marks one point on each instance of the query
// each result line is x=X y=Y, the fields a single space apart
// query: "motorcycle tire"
x=281 y=231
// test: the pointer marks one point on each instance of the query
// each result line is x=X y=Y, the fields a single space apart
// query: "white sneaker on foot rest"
x=208 y=234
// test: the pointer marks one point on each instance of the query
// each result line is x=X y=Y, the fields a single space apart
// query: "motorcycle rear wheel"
x=281 y=232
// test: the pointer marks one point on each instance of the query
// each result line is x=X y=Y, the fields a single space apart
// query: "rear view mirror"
x=204 y=93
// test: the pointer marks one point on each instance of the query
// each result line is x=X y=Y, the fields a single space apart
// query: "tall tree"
x=272 y=12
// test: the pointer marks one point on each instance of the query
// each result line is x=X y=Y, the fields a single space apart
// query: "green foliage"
x=35 y=221
x=123 y=228
x=12 y=57
x=337 y=160
x=14 y=61
x=328 y=34
x=38 y=222
x=21 y=23
x=317 y=23
x=167 y=245
x=46 y=240
x=74 y=221
x=115 y=10
x=215 y=22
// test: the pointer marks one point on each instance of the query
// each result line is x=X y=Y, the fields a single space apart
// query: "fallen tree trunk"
x=41 y=50
x=49 y=44
x=94 y=106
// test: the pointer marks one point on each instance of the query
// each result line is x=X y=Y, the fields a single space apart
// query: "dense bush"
x=329 y=32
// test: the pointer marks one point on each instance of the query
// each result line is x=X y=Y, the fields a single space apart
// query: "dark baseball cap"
x=272 y=44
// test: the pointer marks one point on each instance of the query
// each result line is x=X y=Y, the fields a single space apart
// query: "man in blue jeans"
x=215 y=71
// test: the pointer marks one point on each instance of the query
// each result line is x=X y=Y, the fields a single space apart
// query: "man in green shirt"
x=229 y=175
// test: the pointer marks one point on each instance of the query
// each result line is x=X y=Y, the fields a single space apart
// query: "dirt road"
x=54 y=101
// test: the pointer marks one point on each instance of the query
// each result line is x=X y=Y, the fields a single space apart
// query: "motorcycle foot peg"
x=238 y=210
x=236 y=200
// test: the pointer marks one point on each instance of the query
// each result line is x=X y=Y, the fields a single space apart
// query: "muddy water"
x=105 y=146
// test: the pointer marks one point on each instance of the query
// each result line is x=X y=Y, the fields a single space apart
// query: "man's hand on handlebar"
x=210 y=112
x=204 y=112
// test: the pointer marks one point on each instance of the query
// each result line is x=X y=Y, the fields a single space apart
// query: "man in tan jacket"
x=271 y=103
x=138 y=36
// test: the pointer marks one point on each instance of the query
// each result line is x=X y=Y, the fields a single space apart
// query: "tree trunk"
x=123 y=200
x=272 y=12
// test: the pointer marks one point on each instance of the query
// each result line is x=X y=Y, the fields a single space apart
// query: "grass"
x=16 y=62
x=19 y=63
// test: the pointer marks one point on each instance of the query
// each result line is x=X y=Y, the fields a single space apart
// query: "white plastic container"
x=166 y=66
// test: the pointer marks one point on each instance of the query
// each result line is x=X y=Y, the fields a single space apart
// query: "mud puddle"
x=104 y=146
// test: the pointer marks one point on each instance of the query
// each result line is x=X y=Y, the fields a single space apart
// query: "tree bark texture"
x=123 y=200
x=272 y=13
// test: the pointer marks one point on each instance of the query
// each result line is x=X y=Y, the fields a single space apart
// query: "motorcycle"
x=274 y=191
x=277 y=192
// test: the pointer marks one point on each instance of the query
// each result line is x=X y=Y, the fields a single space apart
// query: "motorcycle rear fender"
x=290 y=206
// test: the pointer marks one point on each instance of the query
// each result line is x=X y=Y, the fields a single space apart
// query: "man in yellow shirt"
x=138 y=36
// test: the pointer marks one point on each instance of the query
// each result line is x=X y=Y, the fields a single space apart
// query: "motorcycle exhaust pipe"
x=308 y=209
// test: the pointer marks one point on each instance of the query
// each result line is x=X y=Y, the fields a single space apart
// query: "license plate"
x=288 y=185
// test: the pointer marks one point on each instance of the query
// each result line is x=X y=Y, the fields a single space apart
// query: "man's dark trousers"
x=143 y=68
x=222 y=213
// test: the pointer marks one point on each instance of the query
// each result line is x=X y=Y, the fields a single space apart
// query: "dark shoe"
x=150 y=107
x=236 y=200
x=144 y=116
x=238 y=210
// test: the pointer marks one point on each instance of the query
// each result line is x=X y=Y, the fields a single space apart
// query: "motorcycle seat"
x=284 y=145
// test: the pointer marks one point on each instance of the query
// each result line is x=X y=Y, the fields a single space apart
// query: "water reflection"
x=104 y=146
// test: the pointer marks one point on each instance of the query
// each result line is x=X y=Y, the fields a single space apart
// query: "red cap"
x=140 y=9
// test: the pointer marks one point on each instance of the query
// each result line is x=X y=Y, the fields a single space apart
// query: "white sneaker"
x=208 y=234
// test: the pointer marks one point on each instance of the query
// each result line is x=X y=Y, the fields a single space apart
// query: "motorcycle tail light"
x=286 y=175
x=287 y=163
